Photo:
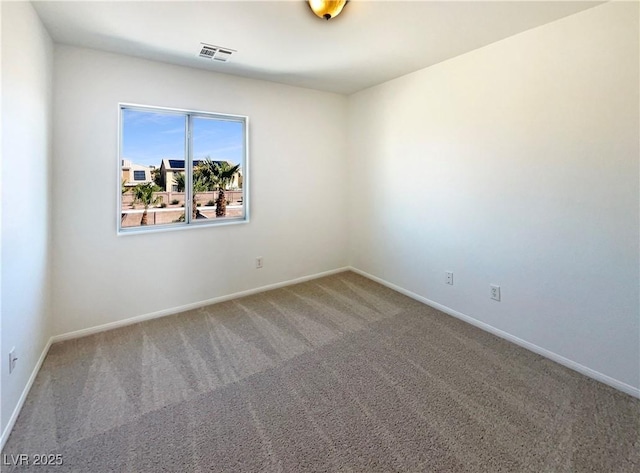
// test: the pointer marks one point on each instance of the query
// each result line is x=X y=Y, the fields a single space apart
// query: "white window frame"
x=188 y=201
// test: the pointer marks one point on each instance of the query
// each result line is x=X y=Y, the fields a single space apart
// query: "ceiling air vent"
x=215 y=52
x=207 y=51
x=222 y=55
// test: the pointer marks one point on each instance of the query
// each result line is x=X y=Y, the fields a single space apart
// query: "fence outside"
x=234 y=197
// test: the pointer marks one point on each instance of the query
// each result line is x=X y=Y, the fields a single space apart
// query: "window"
x=181 y=169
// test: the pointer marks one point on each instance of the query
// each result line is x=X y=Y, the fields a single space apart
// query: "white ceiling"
x=282 y=41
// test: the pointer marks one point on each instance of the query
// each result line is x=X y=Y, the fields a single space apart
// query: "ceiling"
x=282 y=41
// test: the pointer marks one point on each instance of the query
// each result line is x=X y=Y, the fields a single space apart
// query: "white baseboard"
x=191 y=306
x=603 y=378
x=16 y=412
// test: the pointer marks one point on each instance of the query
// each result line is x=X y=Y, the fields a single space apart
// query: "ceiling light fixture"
x=327 y=9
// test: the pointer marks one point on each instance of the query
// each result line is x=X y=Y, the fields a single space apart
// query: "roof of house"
x=178 y=164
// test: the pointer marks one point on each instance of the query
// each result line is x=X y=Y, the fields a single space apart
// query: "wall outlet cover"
x=449 y=277
x=495 y=292
x=12 y=360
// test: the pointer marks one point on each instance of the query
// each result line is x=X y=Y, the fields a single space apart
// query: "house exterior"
x=134 y=174
x=169 y=168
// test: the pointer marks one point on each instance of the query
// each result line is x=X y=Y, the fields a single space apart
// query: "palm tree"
x=206 y=171
x=157 y=177
x=218 y=175
x=224 y=178
x=209 y=175
x=143 y=193
x=179 y=181
x=125 y=189
x=199 y=185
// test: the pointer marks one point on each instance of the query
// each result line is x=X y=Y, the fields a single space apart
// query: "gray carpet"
x=336 y=374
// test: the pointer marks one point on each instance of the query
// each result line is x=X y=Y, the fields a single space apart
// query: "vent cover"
x=207 y=51
x=216 y=53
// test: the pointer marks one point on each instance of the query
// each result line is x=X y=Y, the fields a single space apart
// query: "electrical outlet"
x=449 y=275
x=12 y=360
x=259 y=262
x=495 y=292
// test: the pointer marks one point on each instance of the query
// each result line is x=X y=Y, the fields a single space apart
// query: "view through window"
x=180 y=168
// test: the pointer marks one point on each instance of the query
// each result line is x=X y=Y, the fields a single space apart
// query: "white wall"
x=515 y=164
x=26 y=118
x=297 y=146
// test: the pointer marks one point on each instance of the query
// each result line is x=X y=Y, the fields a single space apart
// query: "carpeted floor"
x=336 y=374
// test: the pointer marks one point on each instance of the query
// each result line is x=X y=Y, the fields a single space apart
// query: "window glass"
x=181 y=168
x=218 y=151
x=139 y=175
x=149 y=139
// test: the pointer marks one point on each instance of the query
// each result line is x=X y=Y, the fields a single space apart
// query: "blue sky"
x=148 y=137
